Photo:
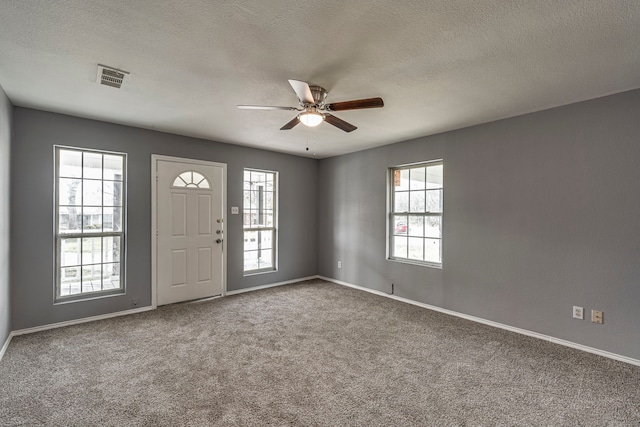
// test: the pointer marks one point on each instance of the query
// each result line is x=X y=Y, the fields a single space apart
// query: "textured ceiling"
x=438 y=65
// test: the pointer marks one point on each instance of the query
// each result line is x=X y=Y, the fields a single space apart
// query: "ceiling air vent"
x=111 y=76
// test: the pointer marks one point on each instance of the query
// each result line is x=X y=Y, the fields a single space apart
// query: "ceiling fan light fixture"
x=311 y=119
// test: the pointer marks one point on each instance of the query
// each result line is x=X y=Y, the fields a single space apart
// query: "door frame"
x=155 y=158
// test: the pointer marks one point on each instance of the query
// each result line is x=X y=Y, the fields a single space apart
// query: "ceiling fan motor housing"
x=319 y=94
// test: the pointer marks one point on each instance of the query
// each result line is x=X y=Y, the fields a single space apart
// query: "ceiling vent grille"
x=111 y=76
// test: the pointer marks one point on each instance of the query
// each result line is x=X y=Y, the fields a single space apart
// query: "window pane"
x=416 y=226
x=112 y=193
x=250 y=217
x=401 y=202
x=111 y=276
x=434 y=176
x=69 y=192
x=92 y=219
x=92 y=192
x=250 y=260
x=111 y=249
x=112 y=219
x=91 y=250
x=204 y=184
x=432 y=250
x=92 y=278
x=258 y=177
x=268 y=220
x=434 y=201
x=417 y=177
x=401 y=179
x=401 y=224
x=266 y=239
x=70 y=164
x=250 y=240
x=268 y=200
x=70 y=252
x=69 y=219
x=416 y=203
x=399 y=247
x=266 y=259
x=113 y=167
x=433 y=226
x=69 y=281
x=416 y=248
x=92 y=165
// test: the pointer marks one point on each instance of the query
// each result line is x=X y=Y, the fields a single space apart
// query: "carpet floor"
x=309 y=354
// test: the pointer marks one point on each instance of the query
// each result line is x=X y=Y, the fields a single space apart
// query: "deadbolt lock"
x=219 y=241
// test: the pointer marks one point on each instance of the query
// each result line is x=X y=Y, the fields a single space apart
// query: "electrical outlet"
x=597 y=316
x=134 y=302
x=339 y=264
x=578 y=312
x=235 y=210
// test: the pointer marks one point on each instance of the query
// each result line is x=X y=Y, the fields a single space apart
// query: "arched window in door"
x=191 y=179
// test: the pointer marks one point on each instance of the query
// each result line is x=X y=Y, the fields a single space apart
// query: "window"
x=415 y=218
x=260 y=220
x=89 y=223
x=191 y=179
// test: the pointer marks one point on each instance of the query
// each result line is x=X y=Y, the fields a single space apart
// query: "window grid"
x=259 y=220
x=90 y=225
x=415 y=214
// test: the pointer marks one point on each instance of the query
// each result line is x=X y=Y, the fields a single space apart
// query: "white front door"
x=190 y=214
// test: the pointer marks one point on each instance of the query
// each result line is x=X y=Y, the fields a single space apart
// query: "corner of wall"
x=6 y=118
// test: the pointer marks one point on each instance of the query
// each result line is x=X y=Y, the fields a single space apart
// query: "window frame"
x=273 y=228
x=391 y=195
x=58 y=298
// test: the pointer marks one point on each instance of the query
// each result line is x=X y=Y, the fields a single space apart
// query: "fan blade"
x=356 y=105
x=339 y=123
x=302 y=90
x=291 y=124
x=265 y=107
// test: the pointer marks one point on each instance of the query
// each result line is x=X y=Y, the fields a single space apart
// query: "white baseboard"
x=6 y=345
x=78 y=321
x=492 y=323
x=271 y=285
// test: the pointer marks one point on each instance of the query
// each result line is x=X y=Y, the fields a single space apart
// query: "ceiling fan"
x=313 y=109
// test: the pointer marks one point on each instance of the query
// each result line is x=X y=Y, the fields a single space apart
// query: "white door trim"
x=155 y=158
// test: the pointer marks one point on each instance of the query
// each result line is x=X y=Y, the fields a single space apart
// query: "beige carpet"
x=308 y=354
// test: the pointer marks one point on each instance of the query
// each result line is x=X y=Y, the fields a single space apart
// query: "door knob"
x=219 y=241
x=218 y=231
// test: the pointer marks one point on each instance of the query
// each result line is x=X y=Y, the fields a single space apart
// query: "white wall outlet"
x=235 y=210
x=578 y=312
x=339 y=264
x=597 y=316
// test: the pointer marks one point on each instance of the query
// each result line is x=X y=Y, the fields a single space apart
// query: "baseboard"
x=492 y=323
x=78 y=321
x=6 y=345
x=271 y=285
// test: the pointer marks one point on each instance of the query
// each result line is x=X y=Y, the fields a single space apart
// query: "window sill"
x=257 y=272
x=88 y=297
x=418 y=263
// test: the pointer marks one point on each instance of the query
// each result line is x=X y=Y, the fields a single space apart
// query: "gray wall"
x=541 y=212
x=32 y=246
x=5 y=147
